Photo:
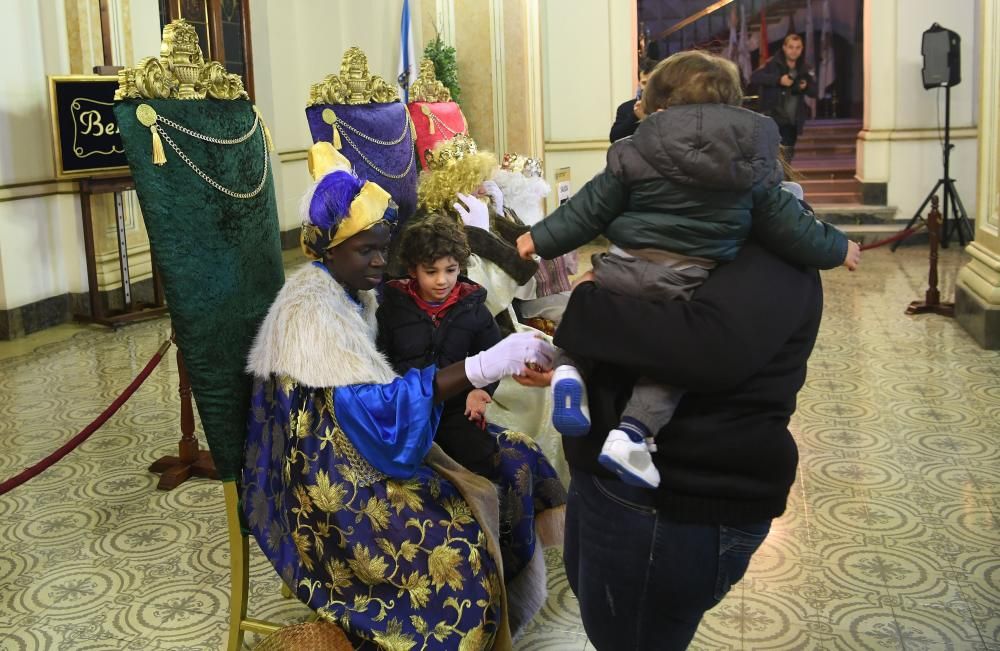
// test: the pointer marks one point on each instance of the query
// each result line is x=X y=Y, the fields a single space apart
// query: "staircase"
x=825 y=157
x=689 y=24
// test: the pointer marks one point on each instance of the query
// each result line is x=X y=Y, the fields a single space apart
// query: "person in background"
x=785 y=81
x=630 y=112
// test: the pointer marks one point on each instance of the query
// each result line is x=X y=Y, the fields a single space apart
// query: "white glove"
x=508 y=357
x=474 y=213
x=493 y=190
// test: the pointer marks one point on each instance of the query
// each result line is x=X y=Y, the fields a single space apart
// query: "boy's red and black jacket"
x=411 y=336
x=415 y=334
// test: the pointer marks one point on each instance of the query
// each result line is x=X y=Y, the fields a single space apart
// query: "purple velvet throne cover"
x=384 y=122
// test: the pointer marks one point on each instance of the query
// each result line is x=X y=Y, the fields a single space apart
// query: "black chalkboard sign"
x=85 y=131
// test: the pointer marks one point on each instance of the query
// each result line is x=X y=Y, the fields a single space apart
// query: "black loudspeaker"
x=942 y=64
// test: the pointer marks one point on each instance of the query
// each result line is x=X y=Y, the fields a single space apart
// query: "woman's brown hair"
x=692 y=77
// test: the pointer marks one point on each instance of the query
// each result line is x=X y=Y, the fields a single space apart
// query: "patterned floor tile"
x=985 y=614
x=84 y=634
x=891 y=538
x=549 y=640
x=745 y=620
x=945 y=614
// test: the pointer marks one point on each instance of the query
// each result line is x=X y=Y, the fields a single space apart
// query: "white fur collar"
x=314 y=334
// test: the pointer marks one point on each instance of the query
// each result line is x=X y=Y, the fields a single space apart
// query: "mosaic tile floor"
x=891 y=539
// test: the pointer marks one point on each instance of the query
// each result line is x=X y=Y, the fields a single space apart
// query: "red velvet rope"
x=901 y=235
x=85 y=433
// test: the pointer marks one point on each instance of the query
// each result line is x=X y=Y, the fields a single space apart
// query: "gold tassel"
x=336 y=138
x=430 y=120
x=159 y=157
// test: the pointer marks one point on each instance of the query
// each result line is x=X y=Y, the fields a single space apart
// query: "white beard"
x=523 y=195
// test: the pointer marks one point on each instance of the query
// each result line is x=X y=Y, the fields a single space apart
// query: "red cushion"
x=430 y=130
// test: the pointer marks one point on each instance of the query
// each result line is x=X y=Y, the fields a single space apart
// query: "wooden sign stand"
x=133 y=311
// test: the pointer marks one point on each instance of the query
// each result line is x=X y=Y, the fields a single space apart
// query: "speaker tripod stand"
x=958 y=224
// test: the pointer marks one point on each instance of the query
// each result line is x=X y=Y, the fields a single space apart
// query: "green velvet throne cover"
x=219 y=257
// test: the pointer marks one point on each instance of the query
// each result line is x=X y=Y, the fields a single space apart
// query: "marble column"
x=977 y=293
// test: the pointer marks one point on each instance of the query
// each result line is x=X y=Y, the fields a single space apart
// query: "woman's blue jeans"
x=643 y=581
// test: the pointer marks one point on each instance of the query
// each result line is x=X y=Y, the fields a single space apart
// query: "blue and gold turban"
x=339 y=205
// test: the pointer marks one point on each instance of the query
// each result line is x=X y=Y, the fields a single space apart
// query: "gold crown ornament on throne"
x=181 y=72
x=427 y=87
x=448 y=152
x=354 y=85
x=519 y=163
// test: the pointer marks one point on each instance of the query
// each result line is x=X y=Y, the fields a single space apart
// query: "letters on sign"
x=86 y=135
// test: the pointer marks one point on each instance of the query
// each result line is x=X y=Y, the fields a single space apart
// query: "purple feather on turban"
x=332 y=198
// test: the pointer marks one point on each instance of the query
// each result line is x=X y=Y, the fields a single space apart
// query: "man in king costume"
x=366 y=520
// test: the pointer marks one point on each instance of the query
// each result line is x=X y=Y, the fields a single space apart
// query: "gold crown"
x=427 y=88
x=521 y=164
x=180 y=72
x=354 y=85
x=448 y=152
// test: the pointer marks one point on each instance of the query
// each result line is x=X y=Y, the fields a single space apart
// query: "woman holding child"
x=693 y=201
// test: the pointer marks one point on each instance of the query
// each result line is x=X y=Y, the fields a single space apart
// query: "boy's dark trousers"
x=464 y=441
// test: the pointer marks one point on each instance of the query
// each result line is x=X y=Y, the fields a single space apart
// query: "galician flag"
x=407 y=72
x=827 y=70
x=743 y=48
x=810 y=54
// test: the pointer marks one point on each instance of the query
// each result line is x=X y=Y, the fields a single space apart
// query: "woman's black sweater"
x=739 y=348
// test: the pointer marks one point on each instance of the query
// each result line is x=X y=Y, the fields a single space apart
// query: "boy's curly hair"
x=428 y=240
x=692 y=77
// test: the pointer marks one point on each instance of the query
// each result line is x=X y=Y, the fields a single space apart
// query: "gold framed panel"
x=60 y=173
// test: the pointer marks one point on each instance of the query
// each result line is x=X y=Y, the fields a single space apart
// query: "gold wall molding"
x=876 y=135
x=533 y=56
x=988 y=203
x=977 y=291
x=576 y=145
x=293 y=155
x=36 y=189
x=445 y=14
x=83 y=32
x=499 y=76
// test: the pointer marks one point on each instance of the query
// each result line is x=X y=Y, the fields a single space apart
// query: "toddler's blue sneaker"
x=570 y=415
